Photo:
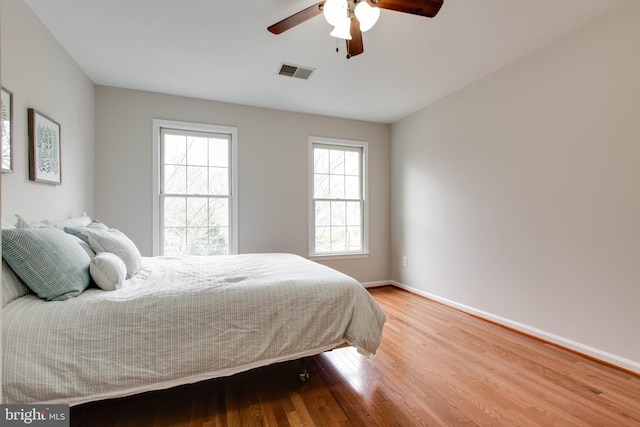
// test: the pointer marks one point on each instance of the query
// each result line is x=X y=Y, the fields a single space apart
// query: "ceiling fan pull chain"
x=337 y=48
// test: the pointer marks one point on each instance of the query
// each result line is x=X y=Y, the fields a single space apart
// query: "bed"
x=178 y=321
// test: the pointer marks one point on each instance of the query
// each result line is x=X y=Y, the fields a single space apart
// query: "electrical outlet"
x=405 y=261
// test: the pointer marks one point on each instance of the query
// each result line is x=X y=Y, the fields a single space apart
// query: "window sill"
x=328 y=257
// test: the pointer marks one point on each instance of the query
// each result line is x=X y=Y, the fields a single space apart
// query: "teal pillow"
x=81 y=232
x=49 y=261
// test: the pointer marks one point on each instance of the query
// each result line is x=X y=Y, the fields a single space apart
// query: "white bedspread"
x=179 y=321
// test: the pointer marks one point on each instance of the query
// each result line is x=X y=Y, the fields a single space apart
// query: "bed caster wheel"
x=304 y=376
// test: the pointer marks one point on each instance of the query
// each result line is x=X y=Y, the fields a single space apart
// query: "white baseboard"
x=376 y=284
x=595 y=353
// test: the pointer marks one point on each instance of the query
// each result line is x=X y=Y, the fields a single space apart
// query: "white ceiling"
x=221 y=50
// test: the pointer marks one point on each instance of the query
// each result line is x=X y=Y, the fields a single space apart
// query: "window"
x=195 y=202
x=338 y=208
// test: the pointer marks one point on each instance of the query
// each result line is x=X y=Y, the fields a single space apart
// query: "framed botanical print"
x=6 y=121
x=45 y=161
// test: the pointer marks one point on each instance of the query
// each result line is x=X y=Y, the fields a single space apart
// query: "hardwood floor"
x=435 y=367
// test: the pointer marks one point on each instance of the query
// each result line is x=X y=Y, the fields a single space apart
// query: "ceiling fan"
x=351 y=18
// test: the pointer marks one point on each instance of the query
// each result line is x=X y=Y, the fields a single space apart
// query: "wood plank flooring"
x=435 y=367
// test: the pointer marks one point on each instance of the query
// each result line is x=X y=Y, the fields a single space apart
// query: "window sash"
x=166 y=132
x=212 y=232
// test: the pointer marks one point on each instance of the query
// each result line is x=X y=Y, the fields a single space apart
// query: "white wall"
x=519 y=196
x=42 y=75
x=272 y=171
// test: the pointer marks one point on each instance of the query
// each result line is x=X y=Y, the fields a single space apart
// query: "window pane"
x=175 y=149
x=323 y=214
x=321 y=160
x=197 y=212
x=338 y=239
x=218 y=240
x=197 y=180
x=175 y=240
x=175 y=212
x=218 y=181
x=323 y=239
x=354 y=216
x=354 y=239
x=321 y=186
x=352 y=187
x=197 y=241
x=197 y=151
x=336 y=183
x=336 y=162
x=352 y=163
x=175 y=179
x=338 y=213
x=218 y=212
x=218 y=152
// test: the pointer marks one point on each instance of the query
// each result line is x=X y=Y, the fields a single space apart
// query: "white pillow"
x=21 y=222
x=7 y=226
x=81 y=221
x=84 y=245
x=115 y=242
x=108 y=271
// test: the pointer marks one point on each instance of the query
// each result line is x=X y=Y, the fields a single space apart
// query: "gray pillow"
x=12 y=287
x=117 y=243
x=81 y=232
x=48 y=261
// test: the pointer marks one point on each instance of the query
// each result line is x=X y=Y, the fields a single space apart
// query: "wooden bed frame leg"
x=304 y=372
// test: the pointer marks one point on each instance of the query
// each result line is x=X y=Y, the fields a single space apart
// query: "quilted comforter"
x=181 y=320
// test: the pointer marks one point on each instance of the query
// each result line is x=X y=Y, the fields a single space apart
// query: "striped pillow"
x=80 y=232
x=49 y=261
x=117 y=243
x=12 y=287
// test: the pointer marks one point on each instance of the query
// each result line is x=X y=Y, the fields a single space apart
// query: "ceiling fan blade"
x=428 y=8
x=355 y=46
x=296 y=18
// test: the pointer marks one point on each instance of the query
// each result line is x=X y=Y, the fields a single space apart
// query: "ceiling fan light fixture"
x=367 y=15
x=351 y=17
x=334 y=11
x=342 y=30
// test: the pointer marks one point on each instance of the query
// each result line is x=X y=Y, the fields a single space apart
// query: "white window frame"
x=364 y=146
x=232 y=132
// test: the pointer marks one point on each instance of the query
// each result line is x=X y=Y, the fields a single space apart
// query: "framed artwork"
x=6 y=120
x=45 y=163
